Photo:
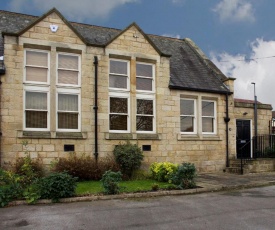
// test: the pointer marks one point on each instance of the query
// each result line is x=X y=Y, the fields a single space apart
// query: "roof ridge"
x=92 y=25
x=12 y=12
x=162 y=36
x=103 y=27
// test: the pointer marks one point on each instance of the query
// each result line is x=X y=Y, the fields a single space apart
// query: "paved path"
x=228 y=180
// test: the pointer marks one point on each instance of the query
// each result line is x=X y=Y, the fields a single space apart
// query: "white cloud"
x=259 y=70
x=235 y=10
x=73 y=9
x=178 y=1
x=171 y=35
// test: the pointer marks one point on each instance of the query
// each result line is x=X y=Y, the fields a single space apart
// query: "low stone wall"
x=262 y=165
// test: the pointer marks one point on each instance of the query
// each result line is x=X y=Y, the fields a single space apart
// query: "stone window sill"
x=187 y=137
x=51 y=135
x=132 y=136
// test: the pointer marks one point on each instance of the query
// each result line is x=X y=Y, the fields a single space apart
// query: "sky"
x=237 y=35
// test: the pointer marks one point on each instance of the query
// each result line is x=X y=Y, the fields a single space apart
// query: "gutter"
x=200 y=90
x=96 y=108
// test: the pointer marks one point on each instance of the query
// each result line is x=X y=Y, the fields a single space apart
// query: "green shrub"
x=163 y=171
x=29 y=169
x=85 y=167
x=110 y=182
x=185 y=176
x=129 y=157
x=269 y=151
x=155 y=187
x=57 y=185
x=10 y=188
x=33 y=193
x=22 y=164
x=171 y=187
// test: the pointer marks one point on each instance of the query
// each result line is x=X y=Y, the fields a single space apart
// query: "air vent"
x=69 y=148
x=146 y=148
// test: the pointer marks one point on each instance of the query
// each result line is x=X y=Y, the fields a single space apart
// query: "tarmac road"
x=237 y=209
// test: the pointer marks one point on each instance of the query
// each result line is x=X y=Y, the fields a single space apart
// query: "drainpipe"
x=96 y=108
x=0 y=124
x=226 y=120
x=2 y=72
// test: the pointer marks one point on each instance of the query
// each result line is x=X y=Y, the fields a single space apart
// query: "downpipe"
x=96 y=108
x=226 y=120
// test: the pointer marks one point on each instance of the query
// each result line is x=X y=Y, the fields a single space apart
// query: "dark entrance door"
x=243 y=139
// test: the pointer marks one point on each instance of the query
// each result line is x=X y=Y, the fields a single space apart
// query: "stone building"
x=69 y=87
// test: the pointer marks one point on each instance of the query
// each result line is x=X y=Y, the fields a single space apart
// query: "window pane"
x=144 y=123
x=118 y=122
x=36 y=101
x=119 y=67
x=118 y=82
x=67 y=62
x=67 y=77
x=187 y=107
x=144 y=70
x=144 y=107
x=36 y=119
x=118 y=105
x=144 y=84
x=208 y=108
x=36 y=74
x=37 y=58
x=186 y=124
x=207 y=125
x=67 y=120
x=67 y=102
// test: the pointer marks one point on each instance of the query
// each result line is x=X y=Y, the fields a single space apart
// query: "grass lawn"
x=95 y=187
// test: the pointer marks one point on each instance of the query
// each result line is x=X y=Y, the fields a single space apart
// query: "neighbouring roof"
x=190 y=69
x=243 y=103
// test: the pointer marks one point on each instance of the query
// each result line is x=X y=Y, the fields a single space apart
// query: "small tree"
x=129 y=157
x=110 y=182
x=185 y=176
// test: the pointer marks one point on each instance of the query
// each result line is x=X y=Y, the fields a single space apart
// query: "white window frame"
x=42 y=67
x=214 y=117
x=36 y=89
x=120 y=95
x=78 y=70
x=69 y=92
x=153 y=78
x=128 y=75
x=194 y=116
x=147 y=97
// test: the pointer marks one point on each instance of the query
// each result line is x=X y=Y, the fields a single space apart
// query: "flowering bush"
x=163 y=171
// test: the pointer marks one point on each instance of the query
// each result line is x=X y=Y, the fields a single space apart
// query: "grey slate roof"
x=190 y=69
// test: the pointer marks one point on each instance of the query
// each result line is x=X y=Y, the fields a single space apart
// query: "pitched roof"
x=190 y=69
